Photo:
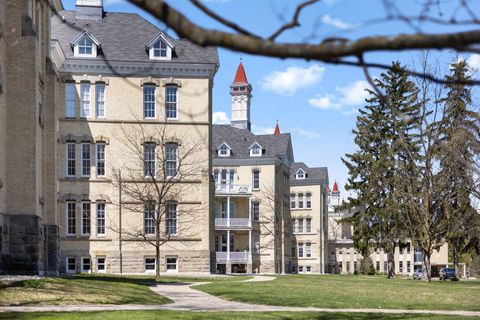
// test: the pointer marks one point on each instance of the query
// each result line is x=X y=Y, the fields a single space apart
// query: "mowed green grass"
x=91 y=289
x=338 y=291
x=168 y=315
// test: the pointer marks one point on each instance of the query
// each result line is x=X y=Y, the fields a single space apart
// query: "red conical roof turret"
x=335 y=187
x=277 y=130
x=240 y=76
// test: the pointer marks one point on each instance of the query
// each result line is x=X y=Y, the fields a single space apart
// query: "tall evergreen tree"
x=460 y=148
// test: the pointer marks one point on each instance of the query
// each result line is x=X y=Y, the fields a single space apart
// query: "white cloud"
x=307 y=134
x=346 y=99
x=220 y=118
x=262 y=130
x=474 y=62
x=337 y=23
x=294 y=78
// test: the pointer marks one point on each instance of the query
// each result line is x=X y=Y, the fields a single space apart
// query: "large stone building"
x=252 y=186
x=308 y=207
x=28 y=225
x=135 y=113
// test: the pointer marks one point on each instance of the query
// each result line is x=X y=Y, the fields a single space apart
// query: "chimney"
x=89 y=9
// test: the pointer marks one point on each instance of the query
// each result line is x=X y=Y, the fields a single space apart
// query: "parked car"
x=448 y=273
x=418 y=274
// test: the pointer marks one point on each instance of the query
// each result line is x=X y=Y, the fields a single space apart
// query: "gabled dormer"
x=300 y=174
x=85 y=45
x=224 y=150
x=256 y=150
x=160 y=48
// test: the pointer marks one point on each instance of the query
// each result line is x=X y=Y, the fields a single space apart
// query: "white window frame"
x=104 y=264
x=166 y=264
x=300 y=250
x=68 y=218
x=82 y=264
x=151 y=49
x=99 y=219
x=149 y=271
x=67 y=270
x=171 y=208
x=83 y=205
x=223 y=147
x=256 y=147
x=308 y=201
x=256 y=210
x=145 y=102
x=308 y=223
x=300 y=228
x=308 y=269
x=85 y=100
x=85 y=163
x=151 y=161
x=175 y=103
x=293 y=204
x=300 y=174
x=148 y=208
x=308 y=250
x=300 y=201
x=70 y=100
x=253 y=179
x=72 y=159
x=100 y=99
x=169 y=161
x=76 y=49
x=103 y=160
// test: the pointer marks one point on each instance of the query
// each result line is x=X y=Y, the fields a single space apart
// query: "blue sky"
x=317 y=103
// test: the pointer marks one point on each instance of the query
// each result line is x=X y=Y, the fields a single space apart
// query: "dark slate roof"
x=240 y=140
x=314 y=175
x=123 y=37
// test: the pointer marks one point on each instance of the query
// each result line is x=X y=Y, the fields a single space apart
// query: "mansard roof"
x=123 y=37
x=316 y=175
x=240 y=141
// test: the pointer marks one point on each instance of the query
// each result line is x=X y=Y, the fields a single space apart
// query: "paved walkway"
x=185 y=298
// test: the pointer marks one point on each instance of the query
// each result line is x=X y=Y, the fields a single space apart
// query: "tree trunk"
x=426 y=266
x=157 y=262
x=455 y=260
x=391 y=262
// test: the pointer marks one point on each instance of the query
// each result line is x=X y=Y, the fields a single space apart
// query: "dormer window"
x=160 y=48
x=224 y=150
x=256 y=150
x=300 y=174
x=85 y=45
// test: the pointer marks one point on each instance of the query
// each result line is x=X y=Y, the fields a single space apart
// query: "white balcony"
x=235 y=257
x=233 y=189
x=233 y=223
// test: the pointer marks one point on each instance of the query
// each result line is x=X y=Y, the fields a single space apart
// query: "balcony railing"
x=234 y=223
x=233 y=189
x=242 y=256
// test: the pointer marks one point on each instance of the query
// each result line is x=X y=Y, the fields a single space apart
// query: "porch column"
x=228 y=212
x=250 y=212
x=228 y=246
x=250 y=245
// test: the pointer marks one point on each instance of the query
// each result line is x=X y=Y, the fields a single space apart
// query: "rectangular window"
x=300 y=269
x=300 y=200
x=171 y=102
x=101 y=265
x=100 y=159
x=171 y=219
x=309 y=200
x=309 y=225
x=355 y=266
x=294 y=249
x=85 y=100
x=408 y=267
x=100 y=100
x=149 y=159
x=300 y=225
x=292 y=201
x=71 y=221
x=256 y=210
x=400 y=266
x=86 y=264
x=85 y=160
x=70 y=159
x=300 y=250
x=171 y=159
x=71 y=265
x=171 y=264
x=70 y=97
x=150 y=265
x=256 y=243
x=308 y=250
x=149 y=218
x=101 y=218
x=86 y=218
x=256 y=179
x=377 y=266
x=149 y=101
x=408 y=248
x=340 y=266
x=308 y=269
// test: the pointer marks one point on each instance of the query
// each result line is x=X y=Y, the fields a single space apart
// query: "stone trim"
x=188 y=123
x=101 y=139
x=171 y=81
x=84 y=198
x=150 y=80
x=68 y=78
x=83 y=138
x=245 y=162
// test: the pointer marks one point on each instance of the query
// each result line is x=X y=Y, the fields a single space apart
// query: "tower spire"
x=277 y=130
x=240 y=90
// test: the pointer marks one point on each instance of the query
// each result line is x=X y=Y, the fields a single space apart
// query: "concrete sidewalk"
x=186 y=298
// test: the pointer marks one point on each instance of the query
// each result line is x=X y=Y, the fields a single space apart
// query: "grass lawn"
x=167 y=315
x=90 y=289
x=335 y=291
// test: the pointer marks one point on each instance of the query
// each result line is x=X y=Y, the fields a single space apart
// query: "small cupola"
x=89 y=9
